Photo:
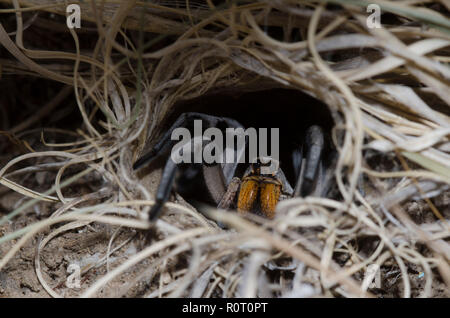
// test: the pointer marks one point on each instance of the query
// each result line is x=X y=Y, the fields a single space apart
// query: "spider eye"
x=256 y=167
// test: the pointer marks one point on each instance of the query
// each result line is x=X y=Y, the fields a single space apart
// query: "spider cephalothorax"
x=255 y=191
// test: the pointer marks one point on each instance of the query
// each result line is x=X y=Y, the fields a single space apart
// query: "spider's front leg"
x=185 y=120
x=229 y=196
x=164 y=189
x=213 y=174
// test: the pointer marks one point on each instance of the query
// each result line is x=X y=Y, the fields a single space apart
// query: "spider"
x=227 y=187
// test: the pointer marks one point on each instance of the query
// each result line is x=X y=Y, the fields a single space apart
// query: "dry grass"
x=387 y=89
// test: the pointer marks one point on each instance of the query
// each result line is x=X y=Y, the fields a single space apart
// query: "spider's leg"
x=184 y=120
x=287 y=188
x=214 y=177
x=215 y=181
x=228 y=197
x=314 y=142
x=237 y=151
x=219 y=178
x=164 y=189
x=168 y=176
x=163 y=144
x=299 y=169
x=227 y=200
x=311 y=167
x=297 y=158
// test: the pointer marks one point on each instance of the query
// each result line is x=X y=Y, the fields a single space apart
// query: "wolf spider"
x=253 y=191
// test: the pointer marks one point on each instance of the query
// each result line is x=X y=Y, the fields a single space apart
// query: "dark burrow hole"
x=289 y=110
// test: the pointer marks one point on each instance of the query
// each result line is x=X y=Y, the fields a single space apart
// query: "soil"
x=85 y=246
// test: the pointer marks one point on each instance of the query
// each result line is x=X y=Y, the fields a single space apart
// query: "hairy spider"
x=253 y=191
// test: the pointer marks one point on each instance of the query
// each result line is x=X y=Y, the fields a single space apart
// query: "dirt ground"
x=87 y=245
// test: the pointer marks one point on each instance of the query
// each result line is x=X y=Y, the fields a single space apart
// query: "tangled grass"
x=386 y=88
